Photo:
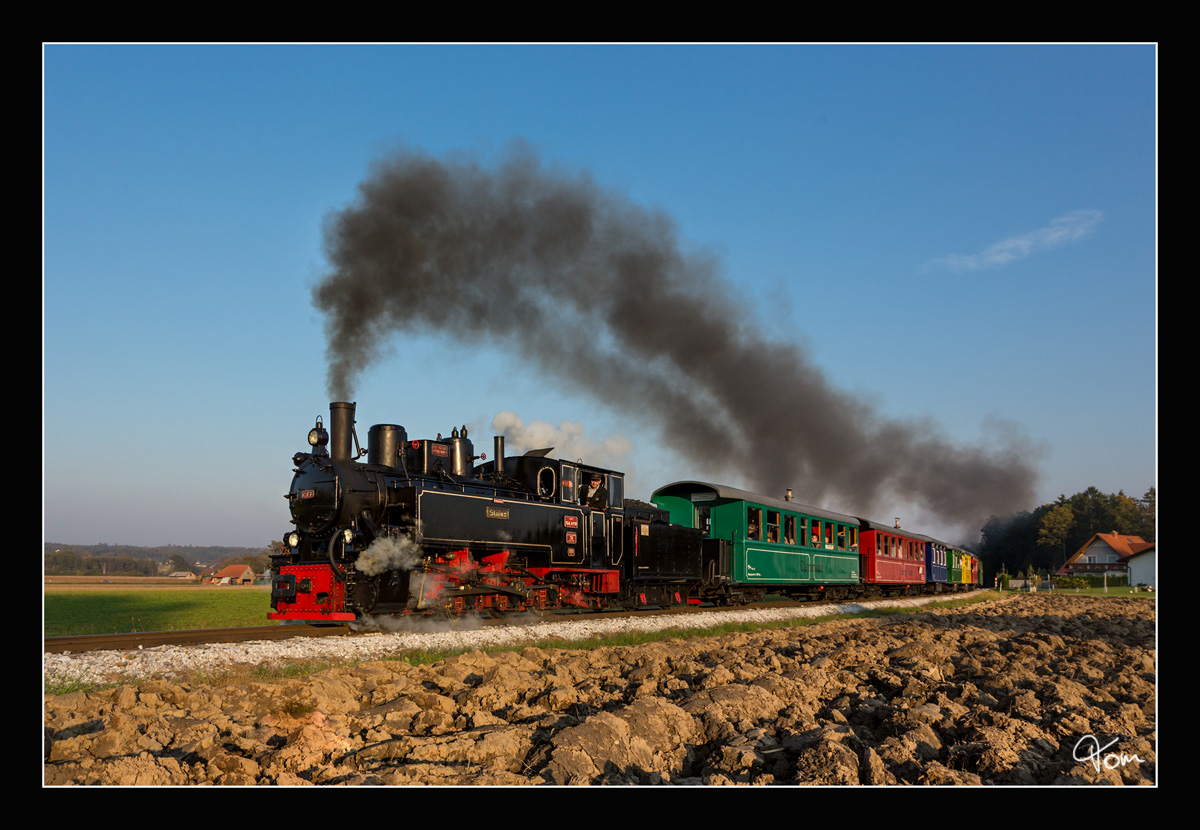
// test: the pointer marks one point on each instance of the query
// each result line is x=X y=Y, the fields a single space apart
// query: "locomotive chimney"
x=341 y=430
x=499 y=454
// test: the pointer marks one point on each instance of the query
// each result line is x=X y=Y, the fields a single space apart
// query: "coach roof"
x=720 y=491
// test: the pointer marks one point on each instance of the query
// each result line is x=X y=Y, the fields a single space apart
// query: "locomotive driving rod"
x=476 y=587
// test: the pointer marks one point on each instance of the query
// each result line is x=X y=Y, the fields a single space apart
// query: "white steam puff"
x=389 y=553
x=569 y=440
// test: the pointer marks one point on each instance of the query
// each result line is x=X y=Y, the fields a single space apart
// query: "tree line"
x=1044 y=538
x=127 y=560
x=73 y=563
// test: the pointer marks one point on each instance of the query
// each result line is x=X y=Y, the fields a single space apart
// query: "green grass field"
x=121 y=610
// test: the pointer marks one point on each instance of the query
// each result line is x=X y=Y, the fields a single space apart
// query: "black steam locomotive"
x=420 y=528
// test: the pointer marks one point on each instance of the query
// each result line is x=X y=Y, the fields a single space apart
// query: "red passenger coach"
x=892 y=560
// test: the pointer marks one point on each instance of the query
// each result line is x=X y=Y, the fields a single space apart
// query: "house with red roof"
x=233 y=575
x=1106 y=553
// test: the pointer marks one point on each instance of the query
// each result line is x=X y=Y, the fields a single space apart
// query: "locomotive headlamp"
x=318 y=437
x=293 y=539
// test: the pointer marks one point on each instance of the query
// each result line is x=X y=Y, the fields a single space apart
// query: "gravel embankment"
x=170 y=661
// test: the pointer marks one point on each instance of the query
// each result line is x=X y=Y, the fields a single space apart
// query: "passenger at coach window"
x=595 y=495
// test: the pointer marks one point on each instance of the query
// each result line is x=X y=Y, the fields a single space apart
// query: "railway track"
x=150 y=639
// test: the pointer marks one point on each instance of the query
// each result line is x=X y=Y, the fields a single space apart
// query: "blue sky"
x=1000 y=199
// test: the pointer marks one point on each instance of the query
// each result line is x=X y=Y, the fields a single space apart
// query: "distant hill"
x=208 y=555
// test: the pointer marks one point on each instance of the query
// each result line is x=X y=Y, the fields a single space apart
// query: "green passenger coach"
x=792 y=547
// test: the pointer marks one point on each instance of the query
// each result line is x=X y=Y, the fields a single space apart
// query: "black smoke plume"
x=592 y=289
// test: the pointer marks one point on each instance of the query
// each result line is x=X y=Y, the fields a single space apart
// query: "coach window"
x=841 y=538
x=803 y=531
x=828 y=535
x=773 y=526
x=754 y=523
x=789 y=530
x=816 y=532
x=854 y=538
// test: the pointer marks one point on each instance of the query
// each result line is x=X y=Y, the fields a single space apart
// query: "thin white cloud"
x=1070 y=227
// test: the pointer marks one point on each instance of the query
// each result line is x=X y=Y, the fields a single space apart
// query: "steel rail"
x=151 y=639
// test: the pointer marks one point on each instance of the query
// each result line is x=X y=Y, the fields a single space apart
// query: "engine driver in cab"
x=595 y=494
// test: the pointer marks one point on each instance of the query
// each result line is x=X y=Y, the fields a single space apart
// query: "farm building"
x=233 y=575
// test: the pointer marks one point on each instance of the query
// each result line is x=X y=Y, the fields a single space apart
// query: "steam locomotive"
x=420 y=528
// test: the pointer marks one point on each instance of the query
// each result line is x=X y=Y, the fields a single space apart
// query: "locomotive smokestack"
x=499 y=453
x=341 y=430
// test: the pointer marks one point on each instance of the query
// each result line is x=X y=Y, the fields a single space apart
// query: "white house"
x=1105 y=553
